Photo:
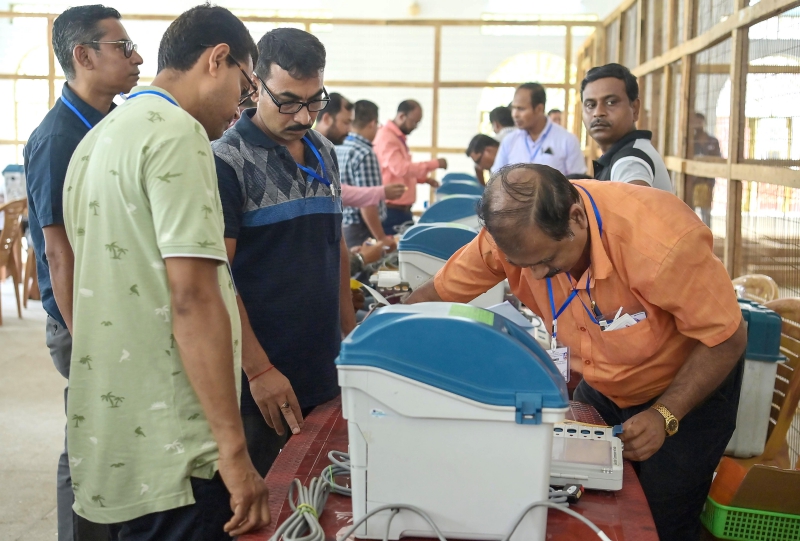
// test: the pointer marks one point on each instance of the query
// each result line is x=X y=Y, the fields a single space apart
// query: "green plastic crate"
x=749 y=524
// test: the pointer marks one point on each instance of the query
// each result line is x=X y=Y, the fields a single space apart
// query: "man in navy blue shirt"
x=99 y=61
x=281 y=197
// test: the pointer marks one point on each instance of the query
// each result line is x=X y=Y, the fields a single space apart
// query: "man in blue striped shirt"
x=359 y=167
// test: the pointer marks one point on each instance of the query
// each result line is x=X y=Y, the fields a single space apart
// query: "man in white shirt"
x=502 y=122
x=610 y=96
x=538 y=139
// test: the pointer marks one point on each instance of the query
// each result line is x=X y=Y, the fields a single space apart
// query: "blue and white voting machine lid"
x=437 y=240
x=456 y=177
x=457 y=208
x=459 y=187
x=461 y=349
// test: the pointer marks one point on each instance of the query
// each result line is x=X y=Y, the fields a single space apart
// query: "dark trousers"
x=202 y=521
x=396 y=217
x=677 y=478
x=263 y=443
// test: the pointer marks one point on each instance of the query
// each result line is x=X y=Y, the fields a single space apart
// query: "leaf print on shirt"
x=114 y=173
x=116 y=251
x=98 y=499
x=193 y=417
x=168 y=177
x=201 y=153
x=85 y=159
x=207 y=210
x=118 y=465
x=94 y=205
x=144 y=489
x=81 y=232
x=113 y=401
x=172 y=341
x=75 y=462
x=87 y=360
x=139 y=432
x=106 y=323
x=163 y=312
x=206 y=244
x=78 y=420
x=125 y=355
x=134 y=290
x=154 y=117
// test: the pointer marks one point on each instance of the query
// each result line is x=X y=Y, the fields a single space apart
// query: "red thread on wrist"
x=250 y=380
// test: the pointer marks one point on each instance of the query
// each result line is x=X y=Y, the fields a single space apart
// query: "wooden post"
x=51 y=62
x=437 y=65
x=567 y=74
x=664 y=127
x=687 y=65
x=733 y=226
x=640 y=31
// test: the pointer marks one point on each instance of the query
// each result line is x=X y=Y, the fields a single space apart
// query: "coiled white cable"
x=303 y=524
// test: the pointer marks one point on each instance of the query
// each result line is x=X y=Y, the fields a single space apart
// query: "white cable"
x=398 y=508
x=303 y=524
x=340 y=465
x=561 y=508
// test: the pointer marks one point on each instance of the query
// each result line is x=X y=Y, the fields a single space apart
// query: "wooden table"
x=622 y=515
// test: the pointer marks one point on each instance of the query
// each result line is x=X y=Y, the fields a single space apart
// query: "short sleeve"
x=632 y=168
x=182 y=187
x=471 y=271
x=693 y=286
x=576 y=163
x=231 y=196
x=502 y=155
x=45 y=172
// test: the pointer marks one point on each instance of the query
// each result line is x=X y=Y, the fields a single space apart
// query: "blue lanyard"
x=310 y=171
x=77 y=113
x=593 y=316
x=539 y=144
x=159 y=94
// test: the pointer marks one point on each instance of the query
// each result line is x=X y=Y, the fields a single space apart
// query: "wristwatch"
x=670 y=421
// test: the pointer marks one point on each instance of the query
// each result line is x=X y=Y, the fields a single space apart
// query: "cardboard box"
x=764 y=488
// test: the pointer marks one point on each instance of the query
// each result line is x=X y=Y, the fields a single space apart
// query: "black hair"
x=538 y=94
x=199 y=28
x=406 y=106
x=366 y=112
x=502 y=115
x=337 y=103
x=300 y=53
x=76 y=26
x=616 y=71
x=551 y=111
x=545 y=199
x=479 y=144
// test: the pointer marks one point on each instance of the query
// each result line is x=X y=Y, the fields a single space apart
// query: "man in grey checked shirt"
x=359 y=167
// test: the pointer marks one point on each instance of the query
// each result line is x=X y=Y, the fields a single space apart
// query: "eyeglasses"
x=293 y=107
x=127 y=45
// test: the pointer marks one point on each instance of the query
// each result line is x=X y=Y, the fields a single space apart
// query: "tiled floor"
x=31 y=425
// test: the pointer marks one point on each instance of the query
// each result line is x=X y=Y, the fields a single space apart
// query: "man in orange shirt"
x=577 y=253
x=397 y=167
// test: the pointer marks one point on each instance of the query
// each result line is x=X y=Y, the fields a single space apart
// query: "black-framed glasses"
x=127 y=45
x=293 y=107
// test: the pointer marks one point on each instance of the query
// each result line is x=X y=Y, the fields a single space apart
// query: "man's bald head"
x=518 y=196
x=409 y=115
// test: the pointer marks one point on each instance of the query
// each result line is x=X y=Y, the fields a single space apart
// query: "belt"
x=405 y=208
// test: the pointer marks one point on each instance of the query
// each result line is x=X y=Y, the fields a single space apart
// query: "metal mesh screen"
x=629 y=20
x=711 y=12
x=650 y=113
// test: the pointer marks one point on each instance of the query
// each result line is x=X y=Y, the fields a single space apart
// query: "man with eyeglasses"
x=99 y=61
x=281 y=197
x=482 y=150
x=156 y=445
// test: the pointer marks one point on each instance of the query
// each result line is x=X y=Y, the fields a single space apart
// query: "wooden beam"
x=672 y=28
x=437 y=68
x=568 y=63
x=617 y=13
x=746 y=17
x=740 y=171
x=663 y=115
x=340 y=21
x=640 y=32
x=51 y=64
x=15 y=77
x=685 y=104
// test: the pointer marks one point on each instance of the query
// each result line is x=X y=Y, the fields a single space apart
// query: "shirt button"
x=583 y=329
x=587 y=361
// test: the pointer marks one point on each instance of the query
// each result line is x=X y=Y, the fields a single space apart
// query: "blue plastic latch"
x=529 y=408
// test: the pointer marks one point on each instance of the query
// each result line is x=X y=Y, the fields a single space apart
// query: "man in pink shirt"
x=397 y=167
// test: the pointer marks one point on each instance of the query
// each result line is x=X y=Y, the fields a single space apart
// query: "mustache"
x=600 y=123
x=299 y=127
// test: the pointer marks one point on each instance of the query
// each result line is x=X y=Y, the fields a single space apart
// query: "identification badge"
x=560 y=356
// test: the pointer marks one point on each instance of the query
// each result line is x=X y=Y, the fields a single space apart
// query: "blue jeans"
x=396 y=217
x=676 y=479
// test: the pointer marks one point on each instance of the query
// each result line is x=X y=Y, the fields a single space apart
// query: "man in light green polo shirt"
x=153 y=404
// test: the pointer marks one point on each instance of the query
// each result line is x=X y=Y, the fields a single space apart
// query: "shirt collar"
x=605 y=159
x=360 y=139
x=92 y=115
x=252 y=133
x=395 y=129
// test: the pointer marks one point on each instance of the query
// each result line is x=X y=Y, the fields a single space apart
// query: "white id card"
x=560 y=356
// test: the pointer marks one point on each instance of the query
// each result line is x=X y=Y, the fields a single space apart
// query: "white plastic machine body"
x=425 y=248
x=451 y=409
